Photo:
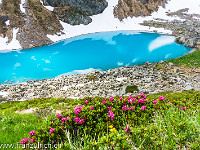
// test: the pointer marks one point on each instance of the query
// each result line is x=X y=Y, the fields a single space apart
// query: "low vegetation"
x=189 y=61
x=160 y=121
x=131 y=89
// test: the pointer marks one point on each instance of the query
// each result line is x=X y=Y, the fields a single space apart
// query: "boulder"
x=88 y=7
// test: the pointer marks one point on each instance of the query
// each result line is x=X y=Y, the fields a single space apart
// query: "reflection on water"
x=86 y=53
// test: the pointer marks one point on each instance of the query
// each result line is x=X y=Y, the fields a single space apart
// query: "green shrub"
x=131 y=89
x=154 y=122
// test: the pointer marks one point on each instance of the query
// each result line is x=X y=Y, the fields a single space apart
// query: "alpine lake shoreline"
x=147 y=78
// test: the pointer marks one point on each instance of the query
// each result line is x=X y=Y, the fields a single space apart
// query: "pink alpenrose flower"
x=111 y=115
x=111 y=99
x=86 y=101
x=59 y=116
x=32 y=140
x=155 y=101
x=121 y=98
x=104 y=102
x=32 y=133
x=184 y=108
x=51 y=130
x=144 y=107
x=77 y=119
x=143 y=96
x=161 y=98
x=91 y=107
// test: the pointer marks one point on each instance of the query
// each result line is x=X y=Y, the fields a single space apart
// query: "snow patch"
x=21 y=6
x=107 y=22
x=14 y=44
x=47 y=7
x=7 y=22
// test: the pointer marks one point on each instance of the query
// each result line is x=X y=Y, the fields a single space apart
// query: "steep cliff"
x=126 y=8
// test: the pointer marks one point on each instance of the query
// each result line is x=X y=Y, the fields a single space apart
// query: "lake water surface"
x=85 y=53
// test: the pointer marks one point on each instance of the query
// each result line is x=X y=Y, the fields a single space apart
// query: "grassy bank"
x=160 y=121
x=189 y=61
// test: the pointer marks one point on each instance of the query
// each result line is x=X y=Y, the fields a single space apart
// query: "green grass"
x=167 y=129
x=14 y=127
x=189 y=61
x=55 y=103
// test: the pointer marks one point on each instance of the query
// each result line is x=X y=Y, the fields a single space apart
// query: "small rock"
x=188 y=88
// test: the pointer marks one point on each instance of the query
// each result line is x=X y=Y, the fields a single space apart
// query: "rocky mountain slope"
x=35 y=22
x=137 y=8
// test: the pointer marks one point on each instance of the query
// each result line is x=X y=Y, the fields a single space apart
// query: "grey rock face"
x=78 y=11
x=190 y=42
x=89 y=7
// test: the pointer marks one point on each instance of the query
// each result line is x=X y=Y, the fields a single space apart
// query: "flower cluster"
x=32 y=133
x=25 y=140
x=127 y=129
x=183 y=108
x=101 y=113
x=111 y=99
x=51 y=130
x=131 y=108
x=143 y=96
x=141 y=101
x=155 y=101
x=86 y=102
x=104 y=101
x=121 y=98
x=111 y=115
x=112 y=129
x=78 y=109
x=162 y=98
x=59 y=116
x=125 y=107
x=65 y=119
x=79 y=120
x=144 y=107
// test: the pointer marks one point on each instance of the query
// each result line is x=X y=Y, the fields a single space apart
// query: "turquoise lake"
x=85 y=53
